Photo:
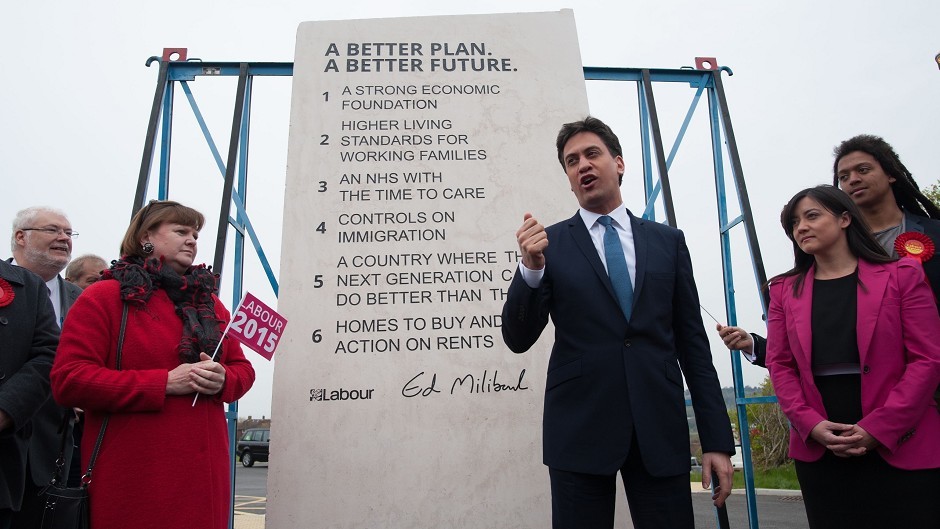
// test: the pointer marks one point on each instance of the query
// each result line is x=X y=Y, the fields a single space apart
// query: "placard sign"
x=257 y=325
x=416 y=147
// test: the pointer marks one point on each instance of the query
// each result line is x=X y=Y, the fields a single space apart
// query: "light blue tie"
x=617 y=266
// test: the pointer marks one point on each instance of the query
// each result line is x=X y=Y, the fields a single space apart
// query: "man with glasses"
x=42 y=243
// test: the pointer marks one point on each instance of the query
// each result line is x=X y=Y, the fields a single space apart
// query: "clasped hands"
x=205 y=376
x=844 y=440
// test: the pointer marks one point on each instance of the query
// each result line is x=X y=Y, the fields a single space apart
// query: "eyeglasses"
x=49 y=230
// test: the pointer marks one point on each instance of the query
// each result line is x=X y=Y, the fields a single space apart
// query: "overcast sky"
x=76 y=100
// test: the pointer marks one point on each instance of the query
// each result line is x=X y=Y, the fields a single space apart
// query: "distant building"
x=244 y=424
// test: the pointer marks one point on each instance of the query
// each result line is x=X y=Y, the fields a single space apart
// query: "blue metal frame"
x=731 y=307
x=648 y=187
x=163 y=188
x=183 y=72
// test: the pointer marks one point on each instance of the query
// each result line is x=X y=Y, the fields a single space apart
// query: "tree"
x=933 y=193
x=769 y=429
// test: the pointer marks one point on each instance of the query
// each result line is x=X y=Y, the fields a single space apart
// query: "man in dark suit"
x=28 y=338
x=868 y=169
x=42 y=244
x=623 y=300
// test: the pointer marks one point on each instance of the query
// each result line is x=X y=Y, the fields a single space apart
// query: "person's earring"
x=147 y=247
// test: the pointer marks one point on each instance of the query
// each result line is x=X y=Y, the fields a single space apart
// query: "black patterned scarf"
x=191 y=294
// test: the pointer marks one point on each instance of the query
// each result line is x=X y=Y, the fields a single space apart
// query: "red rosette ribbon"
x=6 y=293
x=915 y=245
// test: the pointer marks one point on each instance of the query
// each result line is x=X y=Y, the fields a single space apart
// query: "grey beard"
x=46 y=262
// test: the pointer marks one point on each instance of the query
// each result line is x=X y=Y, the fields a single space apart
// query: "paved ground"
x=251 y=490
x=776 y=509
x=249 y=521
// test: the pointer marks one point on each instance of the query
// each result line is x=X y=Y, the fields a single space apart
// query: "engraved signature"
x=425 y=384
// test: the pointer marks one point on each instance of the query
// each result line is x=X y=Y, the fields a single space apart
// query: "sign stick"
x=222 y=338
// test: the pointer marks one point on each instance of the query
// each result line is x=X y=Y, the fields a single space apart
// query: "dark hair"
x=861 y=242
x=588 y=124
x=151 y=216
x=907 y=193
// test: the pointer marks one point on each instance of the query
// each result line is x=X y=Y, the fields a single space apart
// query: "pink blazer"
x=898 y=332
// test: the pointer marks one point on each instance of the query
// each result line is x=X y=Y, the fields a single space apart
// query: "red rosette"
x=6 y=293
x=915 y=245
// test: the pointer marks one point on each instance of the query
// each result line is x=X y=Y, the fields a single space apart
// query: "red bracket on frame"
x=706 y=63
x=180 y=53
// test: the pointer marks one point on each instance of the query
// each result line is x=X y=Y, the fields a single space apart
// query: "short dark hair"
x=588 y=124
x=907 y=193
x=151 y=216
x=861 y=242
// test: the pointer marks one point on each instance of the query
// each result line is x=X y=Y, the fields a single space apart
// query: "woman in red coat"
x=164 y=462
x=854 y=358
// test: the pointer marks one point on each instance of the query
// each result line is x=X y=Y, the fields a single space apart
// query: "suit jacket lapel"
x=875 y=280
x=640 y=245
x=65 y=297
x=68 y=293
x=583 y=240
x=912 y=223
x=801 y=308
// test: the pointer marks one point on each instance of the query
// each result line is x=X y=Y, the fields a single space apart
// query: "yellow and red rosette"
x=6 y=293
x=915 y=245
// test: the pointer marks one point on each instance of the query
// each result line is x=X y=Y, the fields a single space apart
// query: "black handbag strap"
x=63 y=442
x=86 y=479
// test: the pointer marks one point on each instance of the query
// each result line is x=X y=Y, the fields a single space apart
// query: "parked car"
x=696 y=466
x=253 y=446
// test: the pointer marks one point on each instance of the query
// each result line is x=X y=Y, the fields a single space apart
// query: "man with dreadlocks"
x=871 y=173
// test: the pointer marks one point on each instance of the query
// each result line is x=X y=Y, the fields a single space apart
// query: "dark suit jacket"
x=929 y=227
x=28 y=338
x=44 y=447
x=68 y=293
x=608 y=377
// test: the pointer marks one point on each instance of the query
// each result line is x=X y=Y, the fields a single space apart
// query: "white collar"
x=620 y=215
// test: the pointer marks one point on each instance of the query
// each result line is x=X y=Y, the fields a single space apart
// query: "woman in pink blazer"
x=853 y=349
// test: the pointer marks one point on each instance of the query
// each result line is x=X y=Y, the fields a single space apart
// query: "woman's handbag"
x=67 y=507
